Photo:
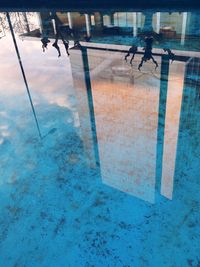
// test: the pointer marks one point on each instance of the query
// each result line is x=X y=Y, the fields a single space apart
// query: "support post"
x=70 y=20
x=134 y=24
x=139 y=20
x=184 y=24
x=88 y=27
x=158 y=22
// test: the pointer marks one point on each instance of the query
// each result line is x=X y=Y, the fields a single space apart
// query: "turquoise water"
x=114 y=178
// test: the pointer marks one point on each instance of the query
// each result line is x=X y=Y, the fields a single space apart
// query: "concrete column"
x=46 y=23
x=98 y=18
x=85 y=107
x=148 y=21
x=112 y=19
x=109 y=20
x=88 y=26
x=184 y=24
x=70 y=20
x=139 y=19
x=39 y=21
x=158 y=22
x=171 y=131
x=54 y=26
x=134 y=24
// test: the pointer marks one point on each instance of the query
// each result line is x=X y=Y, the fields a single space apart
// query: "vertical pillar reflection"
x=184 y=24
x=82 y=85
x=70 y=20
x=88 y=27
x=171 y=131
x=134 y=24
x=39 y=21
x=54 y=26
x=126 y=117
x=139 y=19
x=158 y=22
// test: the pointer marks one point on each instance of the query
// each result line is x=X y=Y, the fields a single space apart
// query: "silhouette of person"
x=132 y=50
x=77 y=44
x=87 y=38
x=148 y=52
x=149 y=42
x=55 y=44
x=170 y=54
x=45 y=42
x=60 y=34
x=66 y=44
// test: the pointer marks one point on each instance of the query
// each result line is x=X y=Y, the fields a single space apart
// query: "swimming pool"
x=99 y=158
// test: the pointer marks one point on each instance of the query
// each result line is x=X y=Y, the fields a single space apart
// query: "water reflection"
x=129 y=119
x=114 y=141
x=171 y=131
x=123 y=111
x=126 y=115
x=173 y=30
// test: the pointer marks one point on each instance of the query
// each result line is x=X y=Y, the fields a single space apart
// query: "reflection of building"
x=126 y=122
x=137 y=120
x=191 y=92
x=130 y=123
x=188 y=149
x=174 y=25
x=122 y=26
x=84 y=107
x=171 y=130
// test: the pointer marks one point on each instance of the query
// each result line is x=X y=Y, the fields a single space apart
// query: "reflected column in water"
x=81 y=79
x=98 y=18
x=126 y=114
x=171 y=131
x=134 y=24
x=139 y=19
x=88 y=26
x=148 y=27
x=184 y=24
x=70 y=20
x=158 y=22
x=46 y=24
x=188 y=148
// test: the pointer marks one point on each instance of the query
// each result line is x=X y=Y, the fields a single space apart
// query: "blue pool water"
x=114 y=179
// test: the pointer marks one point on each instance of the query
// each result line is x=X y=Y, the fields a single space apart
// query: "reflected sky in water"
x=114 y=180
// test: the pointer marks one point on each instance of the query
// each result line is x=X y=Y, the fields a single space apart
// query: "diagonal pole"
x=23 y=73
